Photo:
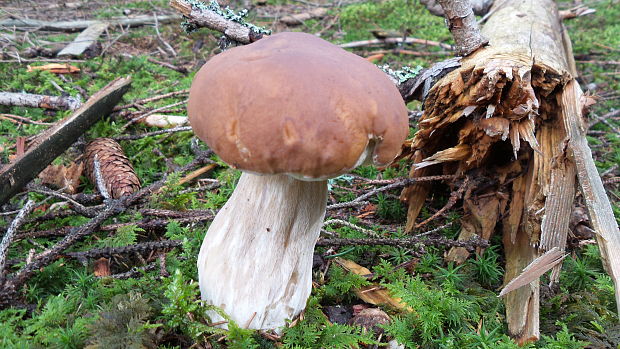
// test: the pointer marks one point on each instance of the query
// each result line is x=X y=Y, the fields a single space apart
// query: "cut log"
x=512 y=112
x=53 y=141
x=84 y=40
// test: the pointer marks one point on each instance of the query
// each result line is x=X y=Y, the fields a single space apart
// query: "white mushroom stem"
x=255 y=262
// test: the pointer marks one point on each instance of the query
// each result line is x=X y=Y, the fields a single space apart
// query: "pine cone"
x=118 y=175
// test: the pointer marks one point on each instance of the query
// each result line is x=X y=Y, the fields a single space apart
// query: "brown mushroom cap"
x=294 y=103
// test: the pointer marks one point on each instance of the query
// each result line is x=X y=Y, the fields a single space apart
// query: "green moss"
x=395 y=15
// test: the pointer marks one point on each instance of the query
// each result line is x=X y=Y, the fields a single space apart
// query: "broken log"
x=510 y=117
x=84 y=40
x=53 y=141
x=39 y=101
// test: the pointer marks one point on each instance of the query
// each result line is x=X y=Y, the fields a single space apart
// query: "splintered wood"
x=501 y=121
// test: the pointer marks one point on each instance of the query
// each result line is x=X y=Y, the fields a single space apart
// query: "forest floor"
x=146 y=297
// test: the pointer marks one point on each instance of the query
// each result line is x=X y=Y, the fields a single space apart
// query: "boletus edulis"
x=290 y=111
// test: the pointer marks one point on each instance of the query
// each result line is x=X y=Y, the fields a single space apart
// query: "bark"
x=512 y=114
x=39 y=101
x=56 y=139
x=84 y=40
x=463 y=26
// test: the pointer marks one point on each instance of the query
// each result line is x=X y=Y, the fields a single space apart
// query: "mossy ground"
x=455 y=307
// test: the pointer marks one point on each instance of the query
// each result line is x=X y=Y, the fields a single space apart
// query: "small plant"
x=487 y=269
x=183 y=300
x=435 y=312
x=125 y=235
x=563 y=340
x=578 y=273
x=341 y=282
x=389 y=209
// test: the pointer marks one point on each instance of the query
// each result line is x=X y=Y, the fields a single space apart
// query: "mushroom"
x=290 y=111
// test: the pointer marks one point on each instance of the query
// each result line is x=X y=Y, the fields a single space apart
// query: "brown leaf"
x=375 y=58
x=370 y=319
x=102 y=267
x=59 y=176
x=373 y=294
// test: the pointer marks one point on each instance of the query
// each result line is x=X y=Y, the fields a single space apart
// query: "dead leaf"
x=375 y=58
x=370 y=319
x=55 y=68
x=59 y=176
x=373 y=294
x=102 y=267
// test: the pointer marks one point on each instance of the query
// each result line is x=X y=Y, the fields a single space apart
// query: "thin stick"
x=154 y=133
x=363 y=43
x=76 y=206
x=454 y=197
x=21 y=119
x=352 y=226
x=138 y=118
x=152 y=99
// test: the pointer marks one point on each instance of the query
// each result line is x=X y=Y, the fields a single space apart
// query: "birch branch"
x=39 y=101
x=10 y=234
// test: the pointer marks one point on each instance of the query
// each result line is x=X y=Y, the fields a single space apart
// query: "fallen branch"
x=10 y=234
x=480 y=7
x=408 y=40
x=153 y=133
x=22 y=120
x=53 y=142
x=231 y=25
x=439 y=241
x=72 y=26
x=135 y=248
x=8 y=290
x=139 y=102
x=39 y=101
x=463 y=26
